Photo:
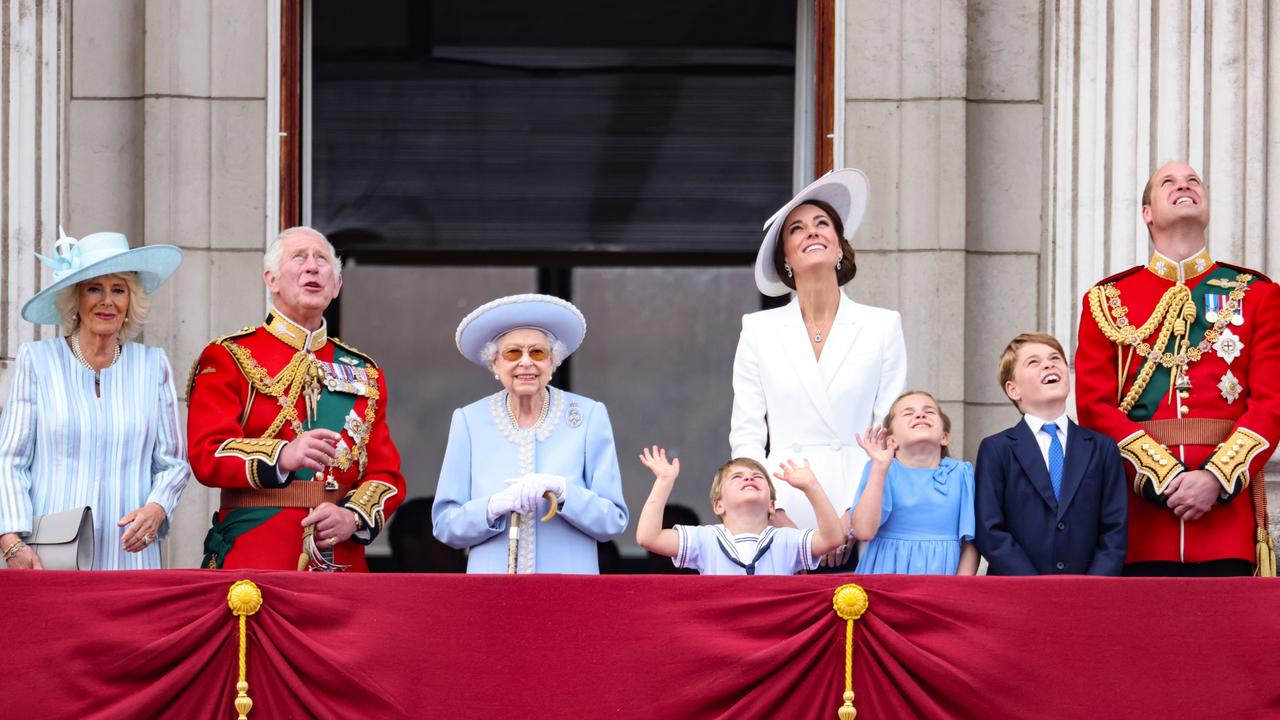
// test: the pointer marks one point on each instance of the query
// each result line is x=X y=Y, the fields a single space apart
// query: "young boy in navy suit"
x=1049 y=495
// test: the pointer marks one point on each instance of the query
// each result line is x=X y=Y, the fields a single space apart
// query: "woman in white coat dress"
x=809 y=375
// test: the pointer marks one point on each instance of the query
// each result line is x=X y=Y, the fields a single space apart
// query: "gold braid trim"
x=1151 y=461
x=251 y=449
x=369 y=499
x=1174 y=314
x=1231 y=461
x=285 y=387
x=1120 y=332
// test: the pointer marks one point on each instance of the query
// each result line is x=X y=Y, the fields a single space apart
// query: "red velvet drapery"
x=163 y=644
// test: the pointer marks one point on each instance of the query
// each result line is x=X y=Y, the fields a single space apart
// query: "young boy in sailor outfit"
x=742 y=496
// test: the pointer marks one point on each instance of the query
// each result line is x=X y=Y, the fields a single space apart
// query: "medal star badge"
x=1228 y=346
x=1230 y=387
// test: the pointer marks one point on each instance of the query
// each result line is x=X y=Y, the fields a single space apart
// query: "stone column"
x=905 y=127
x=31 y=91
x=944 y=112
x=1004 y=234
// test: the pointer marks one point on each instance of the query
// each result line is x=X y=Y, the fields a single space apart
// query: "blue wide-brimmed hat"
x=102 y=253
x=844 y=190
x=495 y=318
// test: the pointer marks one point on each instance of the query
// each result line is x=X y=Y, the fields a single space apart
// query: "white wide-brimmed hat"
x=102 y=253
x=495 y=318
x=844 y=190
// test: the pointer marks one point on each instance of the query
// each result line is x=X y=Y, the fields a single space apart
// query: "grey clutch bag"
x=63 y=540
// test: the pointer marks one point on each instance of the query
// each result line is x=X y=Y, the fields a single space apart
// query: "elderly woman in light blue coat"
x=530 y=479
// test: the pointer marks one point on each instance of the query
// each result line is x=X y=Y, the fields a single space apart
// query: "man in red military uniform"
x=291 y=425
x=1179 y=361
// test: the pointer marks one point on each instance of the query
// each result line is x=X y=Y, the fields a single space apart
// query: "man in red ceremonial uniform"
x=291 y=425
x=1179 y=361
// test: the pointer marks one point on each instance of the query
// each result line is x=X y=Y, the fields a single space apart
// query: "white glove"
x=507 y=500
x=546 y=482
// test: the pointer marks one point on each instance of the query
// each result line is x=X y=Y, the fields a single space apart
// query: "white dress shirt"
x=1042 y=439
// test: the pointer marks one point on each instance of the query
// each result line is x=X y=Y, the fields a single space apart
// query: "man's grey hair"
x=271 y=261
x=559 y=352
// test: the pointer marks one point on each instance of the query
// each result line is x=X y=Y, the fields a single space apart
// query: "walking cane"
x=513 y=533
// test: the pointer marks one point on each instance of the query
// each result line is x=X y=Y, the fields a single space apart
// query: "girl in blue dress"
x=914 y=508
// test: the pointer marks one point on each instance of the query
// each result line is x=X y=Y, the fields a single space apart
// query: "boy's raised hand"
x=878 y=444
x=655 y=459
x=797 y=476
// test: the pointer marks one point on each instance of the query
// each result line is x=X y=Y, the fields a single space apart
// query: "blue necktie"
x=1056 y=460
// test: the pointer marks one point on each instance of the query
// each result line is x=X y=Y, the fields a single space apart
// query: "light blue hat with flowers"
x=495 y=318
x=102 y=253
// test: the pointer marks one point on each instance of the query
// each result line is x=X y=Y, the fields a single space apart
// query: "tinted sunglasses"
x=537 y=353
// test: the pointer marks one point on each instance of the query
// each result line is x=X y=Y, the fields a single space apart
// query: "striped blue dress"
x=62 y=446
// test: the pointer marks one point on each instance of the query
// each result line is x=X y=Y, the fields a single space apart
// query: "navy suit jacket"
x=1023 y=530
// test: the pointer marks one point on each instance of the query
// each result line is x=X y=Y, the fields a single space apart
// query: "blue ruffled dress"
x=925 y=514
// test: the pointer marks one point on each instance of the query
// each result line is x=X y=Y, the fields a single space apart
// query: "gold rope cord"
x=244 y=598
x=1175 y=313
x=850 y=602
x=286 y=387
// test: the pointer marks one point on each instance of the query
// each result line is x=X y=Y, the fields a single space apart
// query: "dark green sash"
x=222 y=535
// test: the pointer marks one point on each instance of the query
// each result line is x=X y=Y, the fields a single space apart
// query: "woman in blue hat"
x=91 y=418
x=530 y=480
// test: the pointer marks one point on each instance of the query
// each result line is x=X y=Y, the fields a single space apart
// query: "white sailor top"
x=714 y=550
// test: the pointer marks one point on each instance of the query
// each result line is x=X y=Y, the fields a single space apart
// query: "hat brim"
x=153 y=264
x=844 y=190
x=498 y=317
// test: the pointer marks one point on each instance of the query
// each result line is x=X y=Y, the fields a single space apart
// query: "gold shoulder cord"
x=1120 y=332
x=1174 y=315
x=285 y=387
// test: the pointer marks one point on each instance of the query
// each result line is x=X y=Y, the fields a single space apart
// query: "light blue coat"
x=575 y=441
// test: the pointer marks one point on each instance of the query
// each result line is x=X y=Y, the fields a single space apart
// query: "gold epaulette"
x=248 y=330
x=1230 y=462
x=1152 y=461
x=351 y=349
x=195 y=365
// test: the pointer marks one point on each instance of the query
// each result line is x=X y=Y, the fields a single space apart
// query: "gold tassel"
x=850 y=602
x=1266 y=565
x=244 y=598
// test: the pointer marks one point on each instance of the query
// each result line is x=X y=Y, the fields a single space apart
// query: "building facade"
x=1006 y=142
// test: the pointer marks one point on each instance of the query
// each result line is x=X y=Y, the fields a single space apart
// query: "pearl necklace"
x=97 y=374
x=546 y=403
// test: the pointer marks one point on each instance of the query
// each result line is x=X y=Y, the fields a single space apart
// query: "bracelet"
x=12 y=551
x=356 y=516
